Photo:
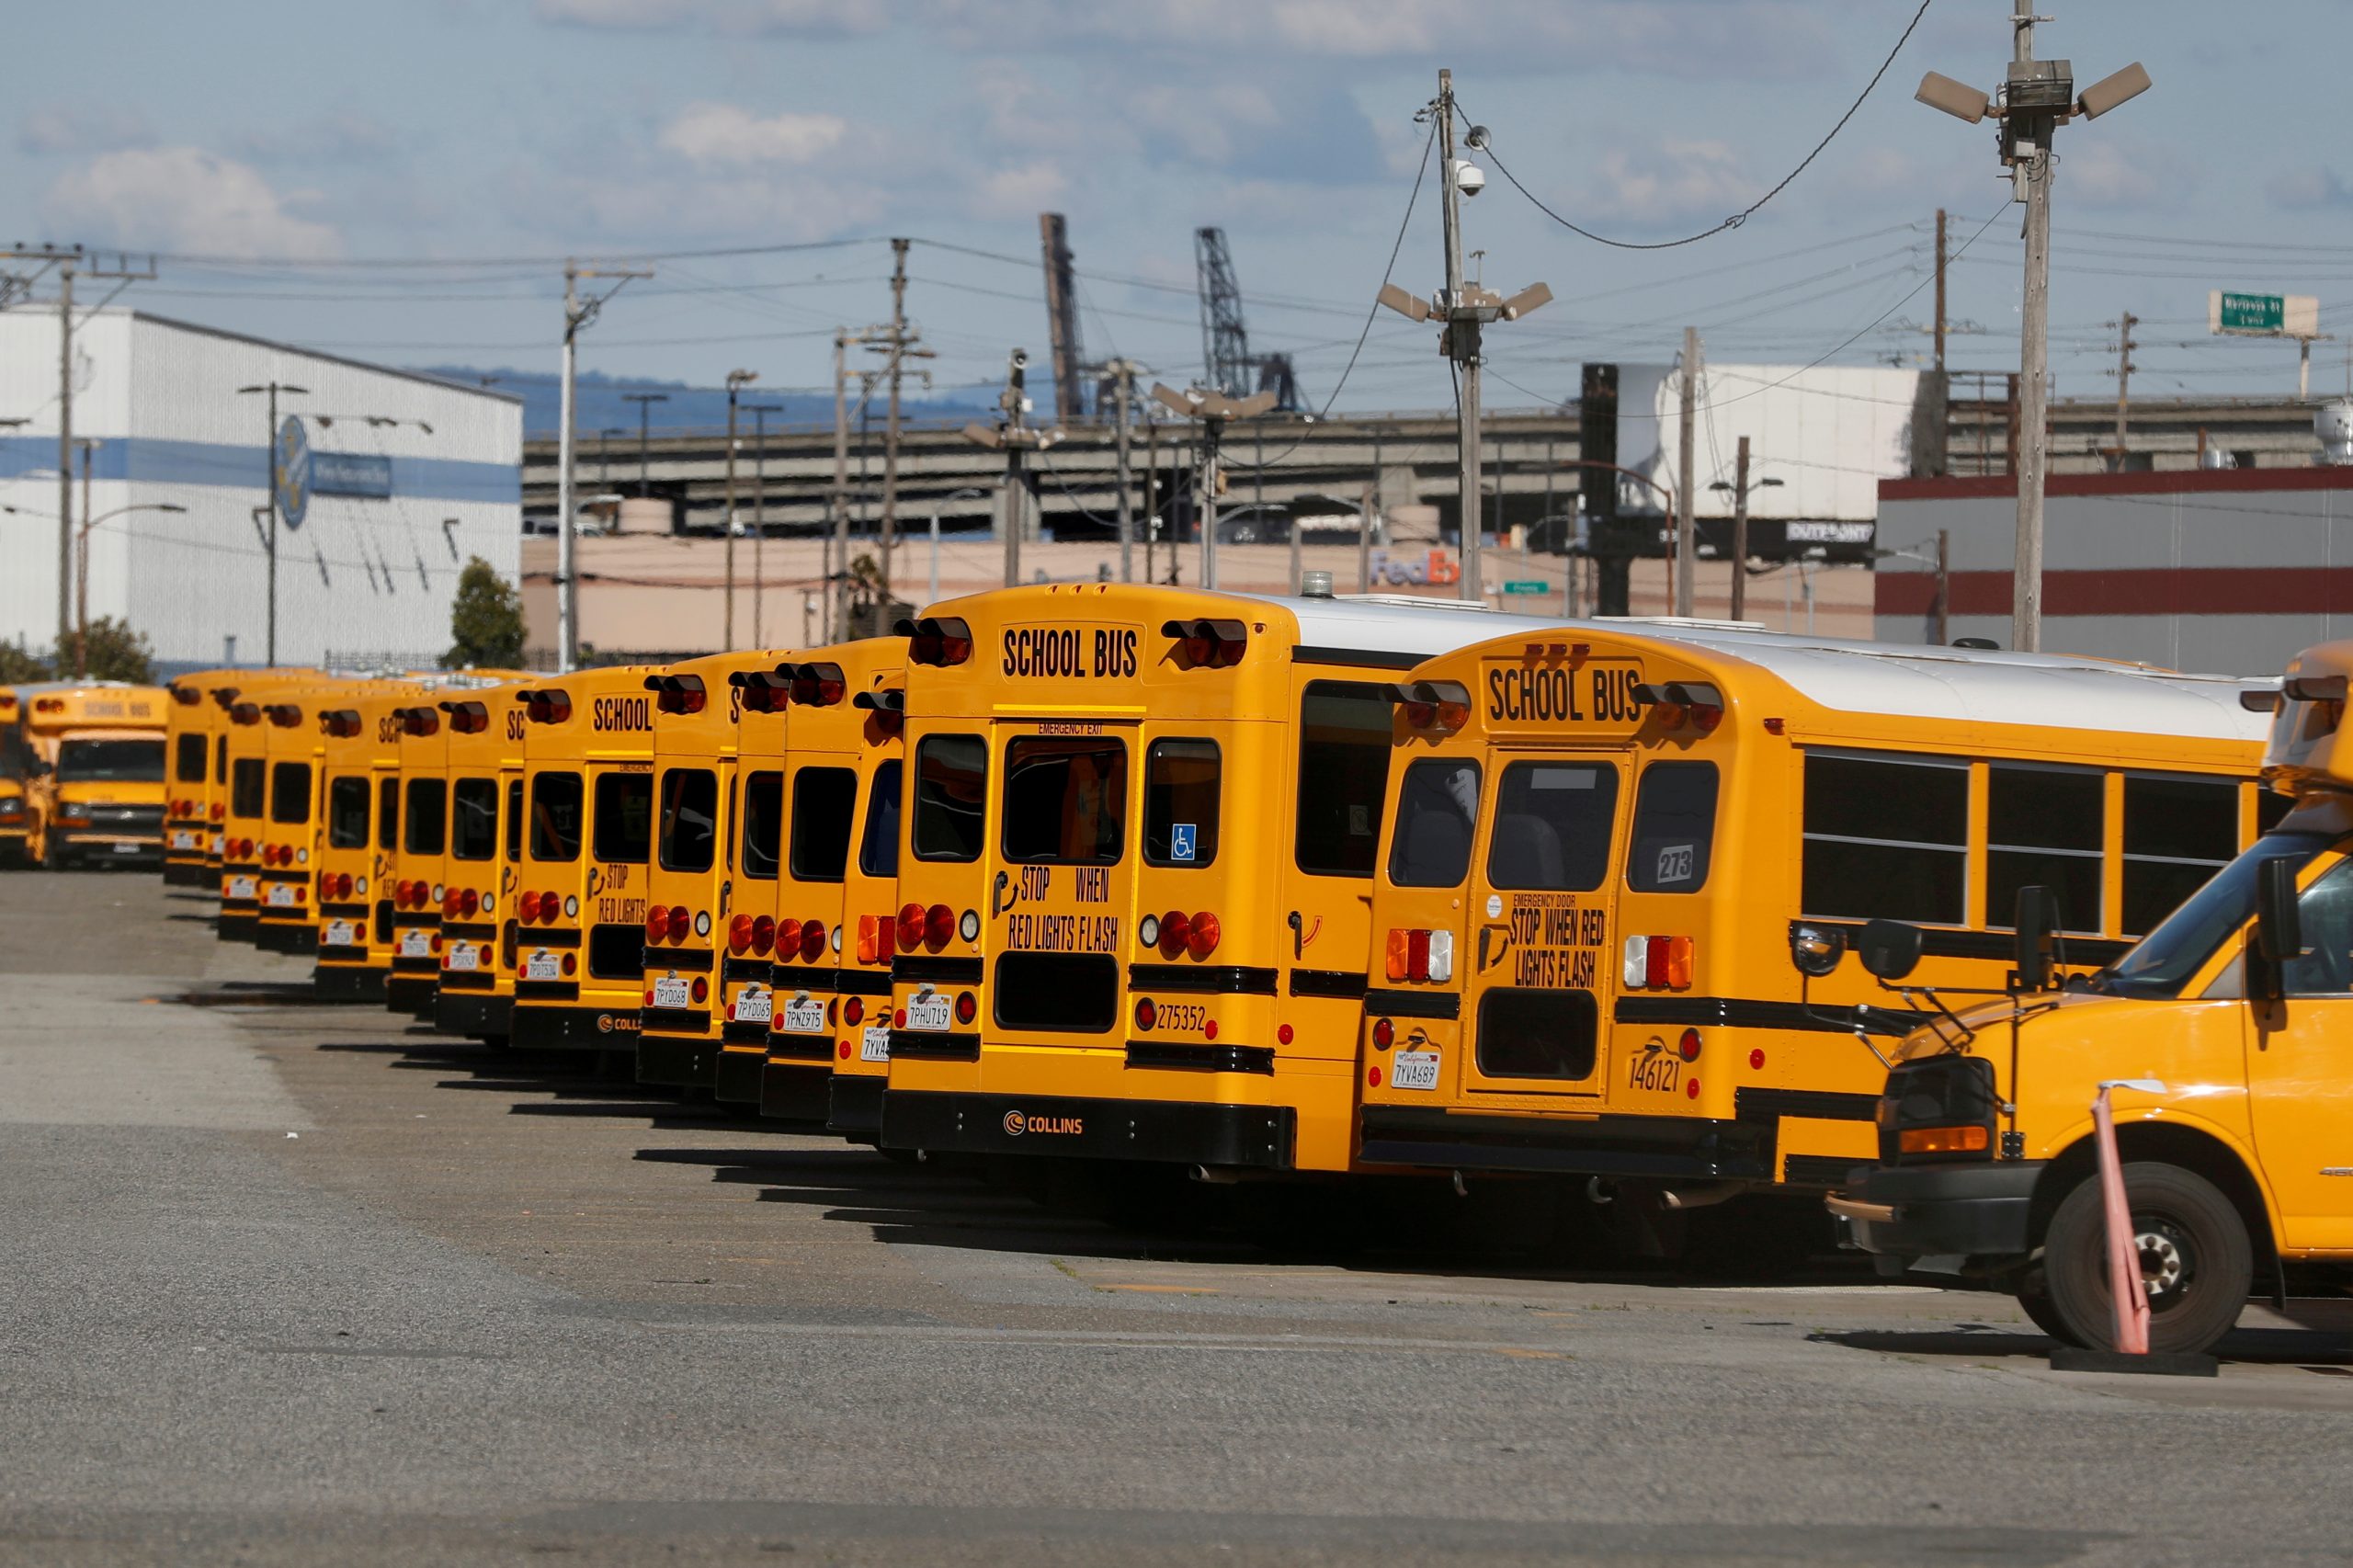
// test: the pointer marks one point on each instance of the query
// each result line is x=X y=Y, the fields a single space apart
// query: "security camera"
x=1469 y=177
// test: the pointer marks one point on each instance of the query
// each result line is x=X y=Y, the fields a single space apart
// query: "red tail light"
x=1417 y=955
x=470 y=903
x=527 y=909
x=762 y=934
x=812 y=940
x=448 y=903
x=679 y=924
x=853 y=1011
x=215 y=812
x=300 y=893
x=877 y=937
x=1202 y=940
x=1688 y=1046
x=1384 y=1033
x=910 y=931
x=657 y=924
x=941 y=640
x=967 y=1006
x=700 y=989
x=1146 y=1013
x=787 y=937
x=400 y=894
x=739 y=934
x=1176 y=932
x=938 y=924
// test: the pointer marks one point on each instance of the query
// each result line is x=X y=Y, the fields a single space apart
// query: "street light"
x=737 y=382
x=82 y=577
x=278 y=477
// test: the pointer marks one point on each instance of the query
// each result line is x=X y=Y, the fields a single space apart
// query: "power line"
x=1737 y=218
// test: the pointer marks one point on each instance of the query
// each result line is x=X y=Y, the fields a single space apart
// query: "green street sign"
x=1527 y=588
x=2253 y=313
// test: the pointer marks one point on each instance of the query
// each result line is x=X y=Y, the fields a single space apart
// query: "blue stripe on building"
x=148 y=460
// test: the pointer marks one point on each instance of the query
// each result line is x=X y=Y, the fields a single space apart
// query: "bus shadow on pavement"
x=2320 y=1351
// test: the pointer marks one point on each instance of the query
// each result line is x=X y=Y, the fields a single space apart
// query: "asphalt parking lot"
x=289 y=1283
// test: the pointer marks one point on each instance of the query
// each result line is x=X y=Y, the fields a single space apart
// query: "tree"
x=117 y=653
x=486 y=621
x=19 y=665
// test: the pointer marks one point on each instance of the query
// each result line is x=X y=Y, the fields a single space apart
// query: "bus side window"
x=1554 y=821
x=388 y=814
x=2178 y=834
x=2045 y=826
x=878 y=856
x=1886 y=837
x=348 y=813
x=763 y=820
x=1437 y=813
x=514 y=820
x=1675 y=827
x=1344 y=728
x=952 y=795
x=1182 y=781
x=823 y=800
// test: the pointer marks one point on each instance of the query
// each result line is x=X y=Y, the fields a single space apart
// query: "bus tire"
x=2033 y=1294
x=2194 y=1251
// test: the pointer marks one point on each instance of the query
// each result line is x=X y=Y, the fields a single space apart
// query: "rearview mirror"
x=1816 y=949
x=1889 y=949
x=2279 y=924
x=2036 y=921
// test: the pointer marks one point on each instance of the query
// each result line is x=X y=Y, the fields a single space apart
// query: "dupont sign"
x=2234 y=314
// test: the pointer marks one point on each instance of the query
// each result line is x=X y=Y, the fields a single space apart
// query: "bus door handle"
x=1298 y=946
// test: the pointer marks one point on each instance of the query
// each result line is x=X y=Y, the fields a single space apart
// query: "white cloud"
x=814 y=17
x=1681 y=181
x=2307 y=189
x=184 y=199
x=1020 y=191
x=81 y=128
x=726 y=136
x=2105 y=174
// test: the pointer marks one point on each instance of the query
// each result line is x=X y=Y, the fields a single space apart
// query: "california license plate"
x=804 y=1016
x=670 y=991
x=241 y=887
x=754 y=1006
x=927 y=1012
x=182 y=839
x=876 y=1045
x=126 y=850
x=543 y=965
x=282 y=895
x=1415 y=1070
x=463 y=959
x=218 y=840
x=342 y=934
x=416 y=943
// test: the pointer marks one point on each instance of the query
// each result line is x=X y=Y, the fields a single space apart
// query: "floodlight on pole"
x=1212 y=408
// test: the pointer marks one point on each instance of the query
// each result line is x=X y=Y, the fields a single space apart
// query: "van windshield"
x=2166 y=958
x=124 y=762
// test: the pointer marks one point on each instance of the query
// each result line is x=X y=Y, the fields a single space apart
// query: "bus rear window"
x=1182 y=781
x=624 y=828
x=188 y=759
x=348 y=813
x=1675 y=825
x=1886 y=838
x=555 y=817
x=428 y=821
x=825 y=802
x=1554 y=821
x=473 y=819
x=1438 y=815
x=246 y=777
x=690 y=819
x=388 y=814
x=1065 y=801
x=951 y=793
x=763 y=819
x=878 y=854
x=290 y=792
x=1343 y=777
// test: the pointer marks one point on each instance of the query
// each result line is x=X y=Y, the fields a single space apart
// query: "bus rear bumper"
x=1908 y=1212
x=347 y=982
x=737 y=1078
x=471 y=1013
x=411 y=993
x=1681 y=1148
x=181 y=873
x=572 y=1028
x=1258 y=1137
x=687 y=1061
x=855 y=1107
x=286 y=937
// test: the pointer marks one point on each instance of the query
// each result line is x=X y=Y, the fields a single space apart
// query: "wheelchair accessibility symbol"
x=1180 y=841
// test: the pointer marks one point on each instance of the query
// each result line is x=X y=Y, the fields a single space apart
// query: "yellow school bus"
x=476 y=995
x=197 y=800
x=832 y=847
x=1135 y=887
x=419 y=857
x=361 y=791
x=294 y=747
x=221 y=690
x=95 y=787
x=16 y=762
x=1622 y=873
x=2227 y=1036
x=694 y=886
x=588 y=791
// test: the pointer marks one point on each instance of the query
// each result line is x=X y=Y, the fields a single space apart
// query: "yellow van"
x=694 y=886
x=1135 y=910
x=831 y=851
x=588 y=793
x=1622 y=870
x=2227 y=1036
x=95 y=791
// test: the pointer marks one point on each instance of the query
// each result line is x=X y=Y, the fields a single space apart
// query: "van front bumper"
x=1262 y=1137
x=1973 y=1211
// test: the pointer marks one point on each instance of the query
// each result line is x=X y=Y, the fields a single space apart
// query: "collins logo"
x=1015 y=1124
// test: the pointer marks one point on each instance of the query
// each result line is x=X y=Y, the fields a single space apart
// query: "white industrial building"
x=398 y=478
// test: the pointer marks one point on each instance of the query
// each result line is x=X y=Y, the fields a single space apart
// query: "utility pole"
x=2125 y=322
x=274 y=481
x=82 y=569
x=1212 y=409
x=1466 y=311
x=1940 y=612
x=1151 y=487
x=737 y=382
x=1123 y=386
x=759 y=412
x=577 y=314
x=2037 y=97
x=1941 y=259
x=646 y=402
x=1740 y=533
x=1686 y=486
x=1012 y=436
x=838 y=594
x=898 y=350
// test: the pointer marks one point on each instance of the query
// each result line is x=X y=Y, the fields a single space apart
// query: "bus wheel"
x=2196 y=1261
x=2033 y=1293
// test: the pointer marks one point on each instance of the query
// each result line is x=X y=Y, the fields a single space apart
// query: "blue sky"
x=258 y=134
